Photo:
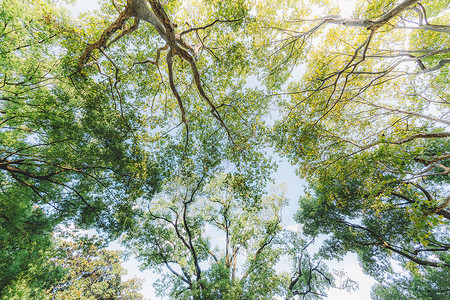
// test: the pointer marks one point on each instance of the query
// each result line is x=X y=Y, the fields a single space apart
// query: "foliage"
x=429 y=283
x=79 y=268
x=215 y=244
x=91 y=272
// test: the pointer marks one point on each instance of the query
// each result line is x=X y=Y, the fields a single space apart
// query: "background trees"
x=176 y=234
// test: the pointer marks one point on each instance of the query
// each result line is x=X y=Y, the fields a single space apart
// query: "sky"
x=295 y=187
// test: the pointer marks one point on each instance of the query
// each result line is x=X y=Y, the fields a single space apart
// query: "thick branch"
x=370 y=24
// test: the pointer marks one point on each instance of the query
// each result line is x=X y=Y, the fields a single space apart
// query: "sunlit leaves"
x=361 y=124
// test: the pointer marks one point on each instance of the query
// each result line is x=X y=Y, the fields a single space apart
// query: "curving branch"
x=381 y=242
x=153 y=13
x=374 y=24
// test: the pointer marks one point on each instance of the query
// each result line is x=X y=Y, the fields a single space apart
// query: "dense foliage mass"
x=146 y=120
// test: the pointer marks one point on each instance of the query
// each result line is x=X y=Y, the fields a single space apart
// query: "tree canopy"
x=145 y=120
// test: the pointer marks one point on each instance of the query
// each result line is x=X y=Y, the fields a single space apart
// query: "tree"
x=75 y=145
x=367 y=124
x=97 y=129
x=213 y=45
x=77 y=267
x=65 y=153
x=172 y=234
x=64 y=143
x=25 y=239
x=91 y=272
x=183 y=118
